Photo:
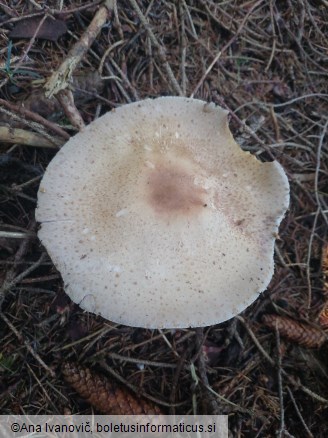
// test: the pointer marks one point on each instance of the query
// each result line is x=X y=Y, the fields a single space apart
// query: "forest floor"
x=264 y=61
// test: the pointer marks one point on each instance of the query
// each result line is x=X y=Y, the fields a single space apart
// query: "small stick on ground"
x=45 y=392
x=214 y=406
x=174 y=83
x=133 y=388
x=176 y=378
x=27 y=138
x=15 y=235
x=11 y=273
x=29 y=46
x=150 y=363
x=11 y=281
x=319 y=210
x=281 y=431
x=125 y=80
x=305 y=389
x=59 y=79
x=291 y=378
x=242 y=124
x=224 y=48
x=298 y=412
x=36 y=118
x=183 y=49
x=66 y=99
x=254 y=339
x=27 y=345
x=49 y=139
x=274 y=39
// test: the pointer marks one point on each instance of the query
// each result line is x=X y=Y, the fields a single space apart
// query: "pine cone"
x=298 y=332
x=104 y=395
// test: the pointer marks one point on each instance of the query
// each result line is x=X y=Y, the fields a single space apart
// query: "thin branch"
x=225 y=47
x=282 y=429
x=59 y=79
x=21 y=338
x=161 y=51
x=36 y=117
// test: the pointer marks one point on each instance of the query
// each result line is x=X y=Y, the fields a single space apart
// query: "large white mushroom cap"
x=156 y=218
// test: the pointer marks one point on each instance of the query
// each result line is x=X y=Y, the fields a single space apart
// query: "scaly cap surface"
x=156 y=218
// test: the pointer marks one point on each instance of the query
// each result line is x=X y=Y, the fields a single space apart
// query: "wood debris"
x=324 y=267
x=59 y=79
x=27 y=138
x=299 y=332
x=104 y=394
x=323 y=316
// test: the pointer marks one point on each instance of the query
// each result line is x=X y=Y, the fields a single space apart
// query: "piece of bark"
x=105 y=395
x=299 y=332
x=27 y=138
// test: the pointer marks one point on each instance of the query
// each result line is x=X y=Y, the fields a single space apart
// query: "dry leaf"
x=298 y=332
x=104 y=394
x=50 y=30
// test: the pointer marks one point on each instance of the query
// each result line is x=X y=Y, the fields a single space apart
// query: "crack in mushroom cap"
x=156 y=218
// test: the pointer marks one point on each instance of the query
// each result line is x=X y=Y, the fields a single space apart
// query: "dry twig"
x=36 y=118
x=161 y=51
x=66 y=99
x=21 y=338
x=27 y=138
x=59 y=80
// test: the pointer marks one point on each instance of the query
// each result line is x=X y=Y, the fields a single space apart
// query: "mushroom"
x=156 y=218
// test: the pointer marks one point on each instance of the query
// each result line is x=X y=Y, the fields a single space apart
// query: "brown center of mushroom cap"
x=172 y=190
